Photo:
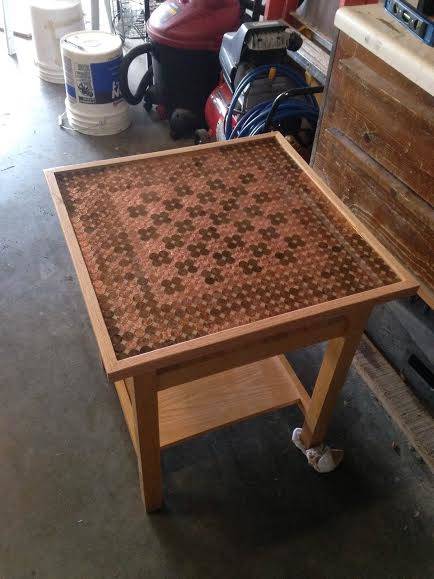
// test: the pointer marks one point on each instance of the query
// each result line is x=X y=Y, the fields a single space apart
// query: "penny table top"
x=177 y=246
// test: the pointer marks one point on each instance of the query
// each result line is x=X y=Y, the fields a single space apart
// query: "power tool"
x=184 y=41
x=260 y=86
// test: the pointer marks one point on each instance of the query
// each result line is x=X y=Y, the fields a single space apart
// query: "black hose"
x=257 y=10
x=134 y=99
x=297 y=91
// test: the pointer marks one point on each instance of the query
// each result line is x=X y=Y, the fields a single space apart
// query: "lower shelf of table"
x=196 y=407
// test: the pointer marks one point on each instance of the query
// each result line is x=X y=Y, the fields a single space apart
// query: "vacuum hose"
x=134 y=99
x=257 y=119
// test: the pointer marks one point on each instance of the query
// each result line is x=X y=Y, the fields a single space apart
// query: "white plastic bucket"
x=93 y=103
x=52 y=19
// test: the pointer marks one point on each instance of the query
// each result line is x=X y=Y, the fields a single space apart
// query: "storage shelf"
x=209 y=403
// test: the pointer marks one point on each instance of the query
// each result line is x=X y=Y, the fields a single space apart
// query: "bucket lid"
x=92 y=42
x=54 y=4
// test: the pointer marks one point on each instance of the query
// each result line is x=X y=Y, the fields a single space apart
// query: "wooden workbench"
x=200 y=267
x=375 y=140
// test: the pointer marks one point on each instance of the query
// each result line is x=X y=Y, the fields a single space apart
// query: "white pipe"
x=94 y=14
x=9 y=33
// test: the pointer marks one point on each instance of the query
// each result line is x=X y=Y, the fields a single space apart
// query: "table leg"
x=335 y=365
x=144 y=400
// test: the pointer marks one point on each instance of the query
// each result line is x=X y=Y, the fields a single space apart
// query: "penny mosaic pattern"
x=190 y=244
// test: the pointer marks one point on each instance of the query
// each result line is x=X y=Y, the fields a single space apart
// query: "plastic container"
x=91 y=61
x=52 y=19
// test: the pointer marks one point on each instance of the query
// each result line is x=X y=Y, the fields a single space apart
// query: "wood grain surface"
x=326 y=261
x=375 y=150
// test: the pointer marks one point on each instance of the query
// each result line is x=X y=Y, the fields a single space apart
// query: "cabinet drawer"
x=401 y=220
x=389 y=118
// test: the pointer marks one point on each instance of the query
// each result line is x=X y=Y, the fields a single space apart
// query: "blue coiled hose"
x=253 y=122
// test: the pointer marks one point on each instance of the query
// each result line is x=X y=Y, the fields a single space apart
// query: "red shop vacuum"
x=185 y=38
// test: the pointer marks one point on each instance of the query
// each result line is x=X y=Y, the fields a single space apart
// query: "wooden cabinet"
x=375 y=148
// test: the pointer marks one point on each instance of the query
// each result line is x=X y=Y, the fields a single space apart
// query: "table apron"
x=251 y=352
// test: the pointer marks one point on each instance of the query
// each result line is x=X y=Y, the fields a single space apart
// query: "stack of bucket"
x=52 y=19
x=86 y=61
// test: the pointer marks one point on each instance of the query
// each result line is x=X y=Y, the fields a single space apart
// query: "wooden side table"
x=200 y=267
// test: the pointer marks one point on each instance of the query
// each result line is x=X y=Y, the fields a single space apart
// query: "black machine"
x=186 y=53
x=184 y=41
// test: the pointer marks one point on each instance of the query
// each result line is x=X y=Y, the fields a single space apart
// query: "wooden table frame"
x=180 y=391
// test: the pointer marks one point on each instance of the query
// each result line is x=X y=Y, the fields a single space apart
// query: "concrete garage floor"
x=240 y=502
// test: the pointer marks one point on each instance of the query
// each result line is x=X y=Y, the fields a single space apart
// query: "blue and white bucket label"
x=94 y=83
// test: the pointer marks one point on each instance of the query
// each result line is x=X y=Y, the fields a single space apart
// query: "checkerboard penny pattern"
x=186 y=245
